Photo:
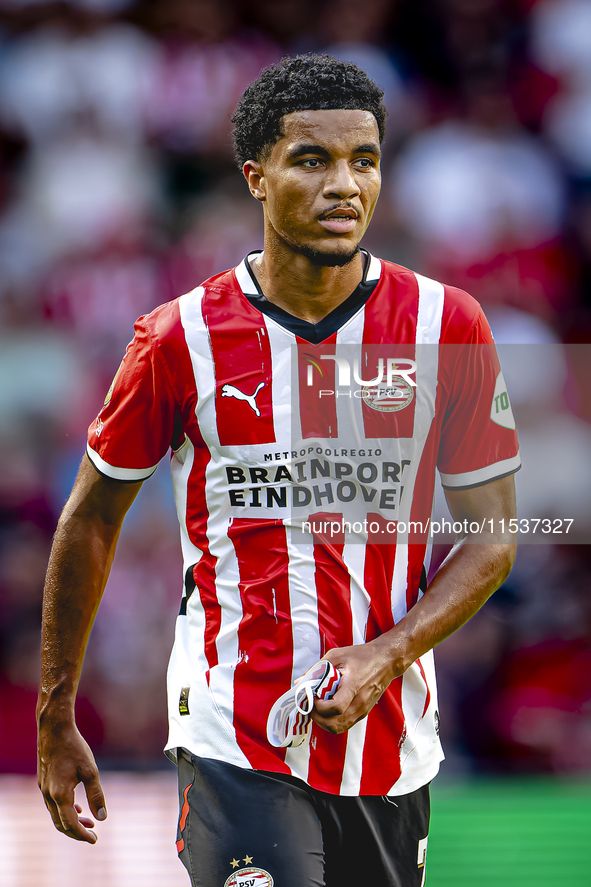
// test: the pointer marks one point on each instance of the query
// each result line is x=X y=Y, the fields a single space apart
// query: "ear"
x=253 y=173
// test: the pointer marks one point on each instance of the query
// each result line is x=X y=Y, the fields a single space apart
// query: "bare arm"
x=79 y=565
x=465 y=580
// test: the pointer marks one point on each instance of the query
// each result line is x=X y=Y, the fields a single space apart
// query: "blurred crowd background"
x=118 y=191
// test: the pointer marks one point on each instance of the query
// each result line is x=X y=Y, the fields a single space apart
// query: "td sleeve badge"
x=500 y=410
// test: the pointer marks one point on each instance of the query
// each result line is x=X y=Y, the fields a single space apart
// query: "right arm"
x=79 y=565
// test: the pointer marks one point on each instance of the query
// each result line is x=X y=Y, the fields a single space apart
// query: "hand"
x=65 y=760
x=366 y=672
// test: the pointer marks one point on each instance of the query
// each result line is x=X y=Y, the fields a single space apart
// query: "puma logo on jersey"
x=231 y=391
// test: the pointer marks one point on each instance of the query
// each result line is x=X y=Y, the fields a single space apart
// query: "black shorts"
x=250 y=828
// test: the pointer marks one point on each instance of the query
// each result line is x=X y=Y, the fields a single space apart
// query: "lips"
x=340 y=220
x=340 y=211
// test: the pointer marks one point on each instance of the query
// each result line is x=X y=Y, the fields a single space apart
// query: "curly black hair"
x=303 y=83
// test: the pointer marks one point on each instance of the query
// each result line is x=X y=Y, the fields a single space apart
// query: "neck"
x=302 y=288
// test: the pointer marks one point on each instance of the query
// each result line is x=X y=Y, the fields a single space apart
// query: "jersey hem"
x=407 y=785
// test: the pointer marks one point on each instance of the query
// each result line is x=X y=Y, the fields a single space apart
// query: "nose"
x=340 y=182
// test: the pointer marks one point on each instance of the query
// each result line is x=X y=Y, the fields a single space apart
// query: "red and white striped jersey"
x=299 y=472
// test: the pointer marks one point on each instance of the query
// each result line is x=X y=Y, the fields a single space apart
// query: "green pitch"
x=510 y=833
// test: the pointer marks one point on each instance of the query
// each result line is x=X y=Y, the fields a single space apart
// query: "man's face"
x=320 y=183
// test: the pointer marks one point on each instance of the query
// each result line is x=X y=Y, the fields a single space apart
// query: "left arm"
x=464 y=582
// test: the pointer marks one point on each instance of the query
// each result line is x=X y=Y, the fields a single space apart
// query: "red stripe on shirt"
x=380 y=556
x=428 y=696
x=335 y=622
x=176 y=361
x=265 y=636
x=204 y=574
x=422 y=505
x=385 y=723
x=243 y=368
x=382 y=327
x=318 y=414
x=378 y=745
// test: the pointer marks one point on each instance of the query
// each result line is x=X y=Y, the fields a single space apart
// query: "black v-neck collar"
x=313 y=332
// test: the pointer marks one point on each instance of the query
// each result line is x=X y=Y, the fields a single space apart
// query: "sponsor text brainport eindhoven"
x=318 y=481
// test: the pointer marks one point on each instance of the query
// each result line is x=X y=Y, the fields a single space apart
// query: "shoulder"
x=462 y=317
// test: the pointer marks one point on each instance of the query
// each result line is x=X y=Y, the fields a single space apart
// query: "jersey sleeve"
x=135 y=427
x=479 y=440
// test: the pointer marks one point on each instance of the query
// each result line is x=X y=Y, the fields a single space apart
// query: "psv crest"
x=250 y=877
x=388 y=398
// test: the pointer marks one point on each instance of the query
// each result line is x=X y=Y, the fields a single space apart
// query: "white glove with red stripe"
x=291 y=716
